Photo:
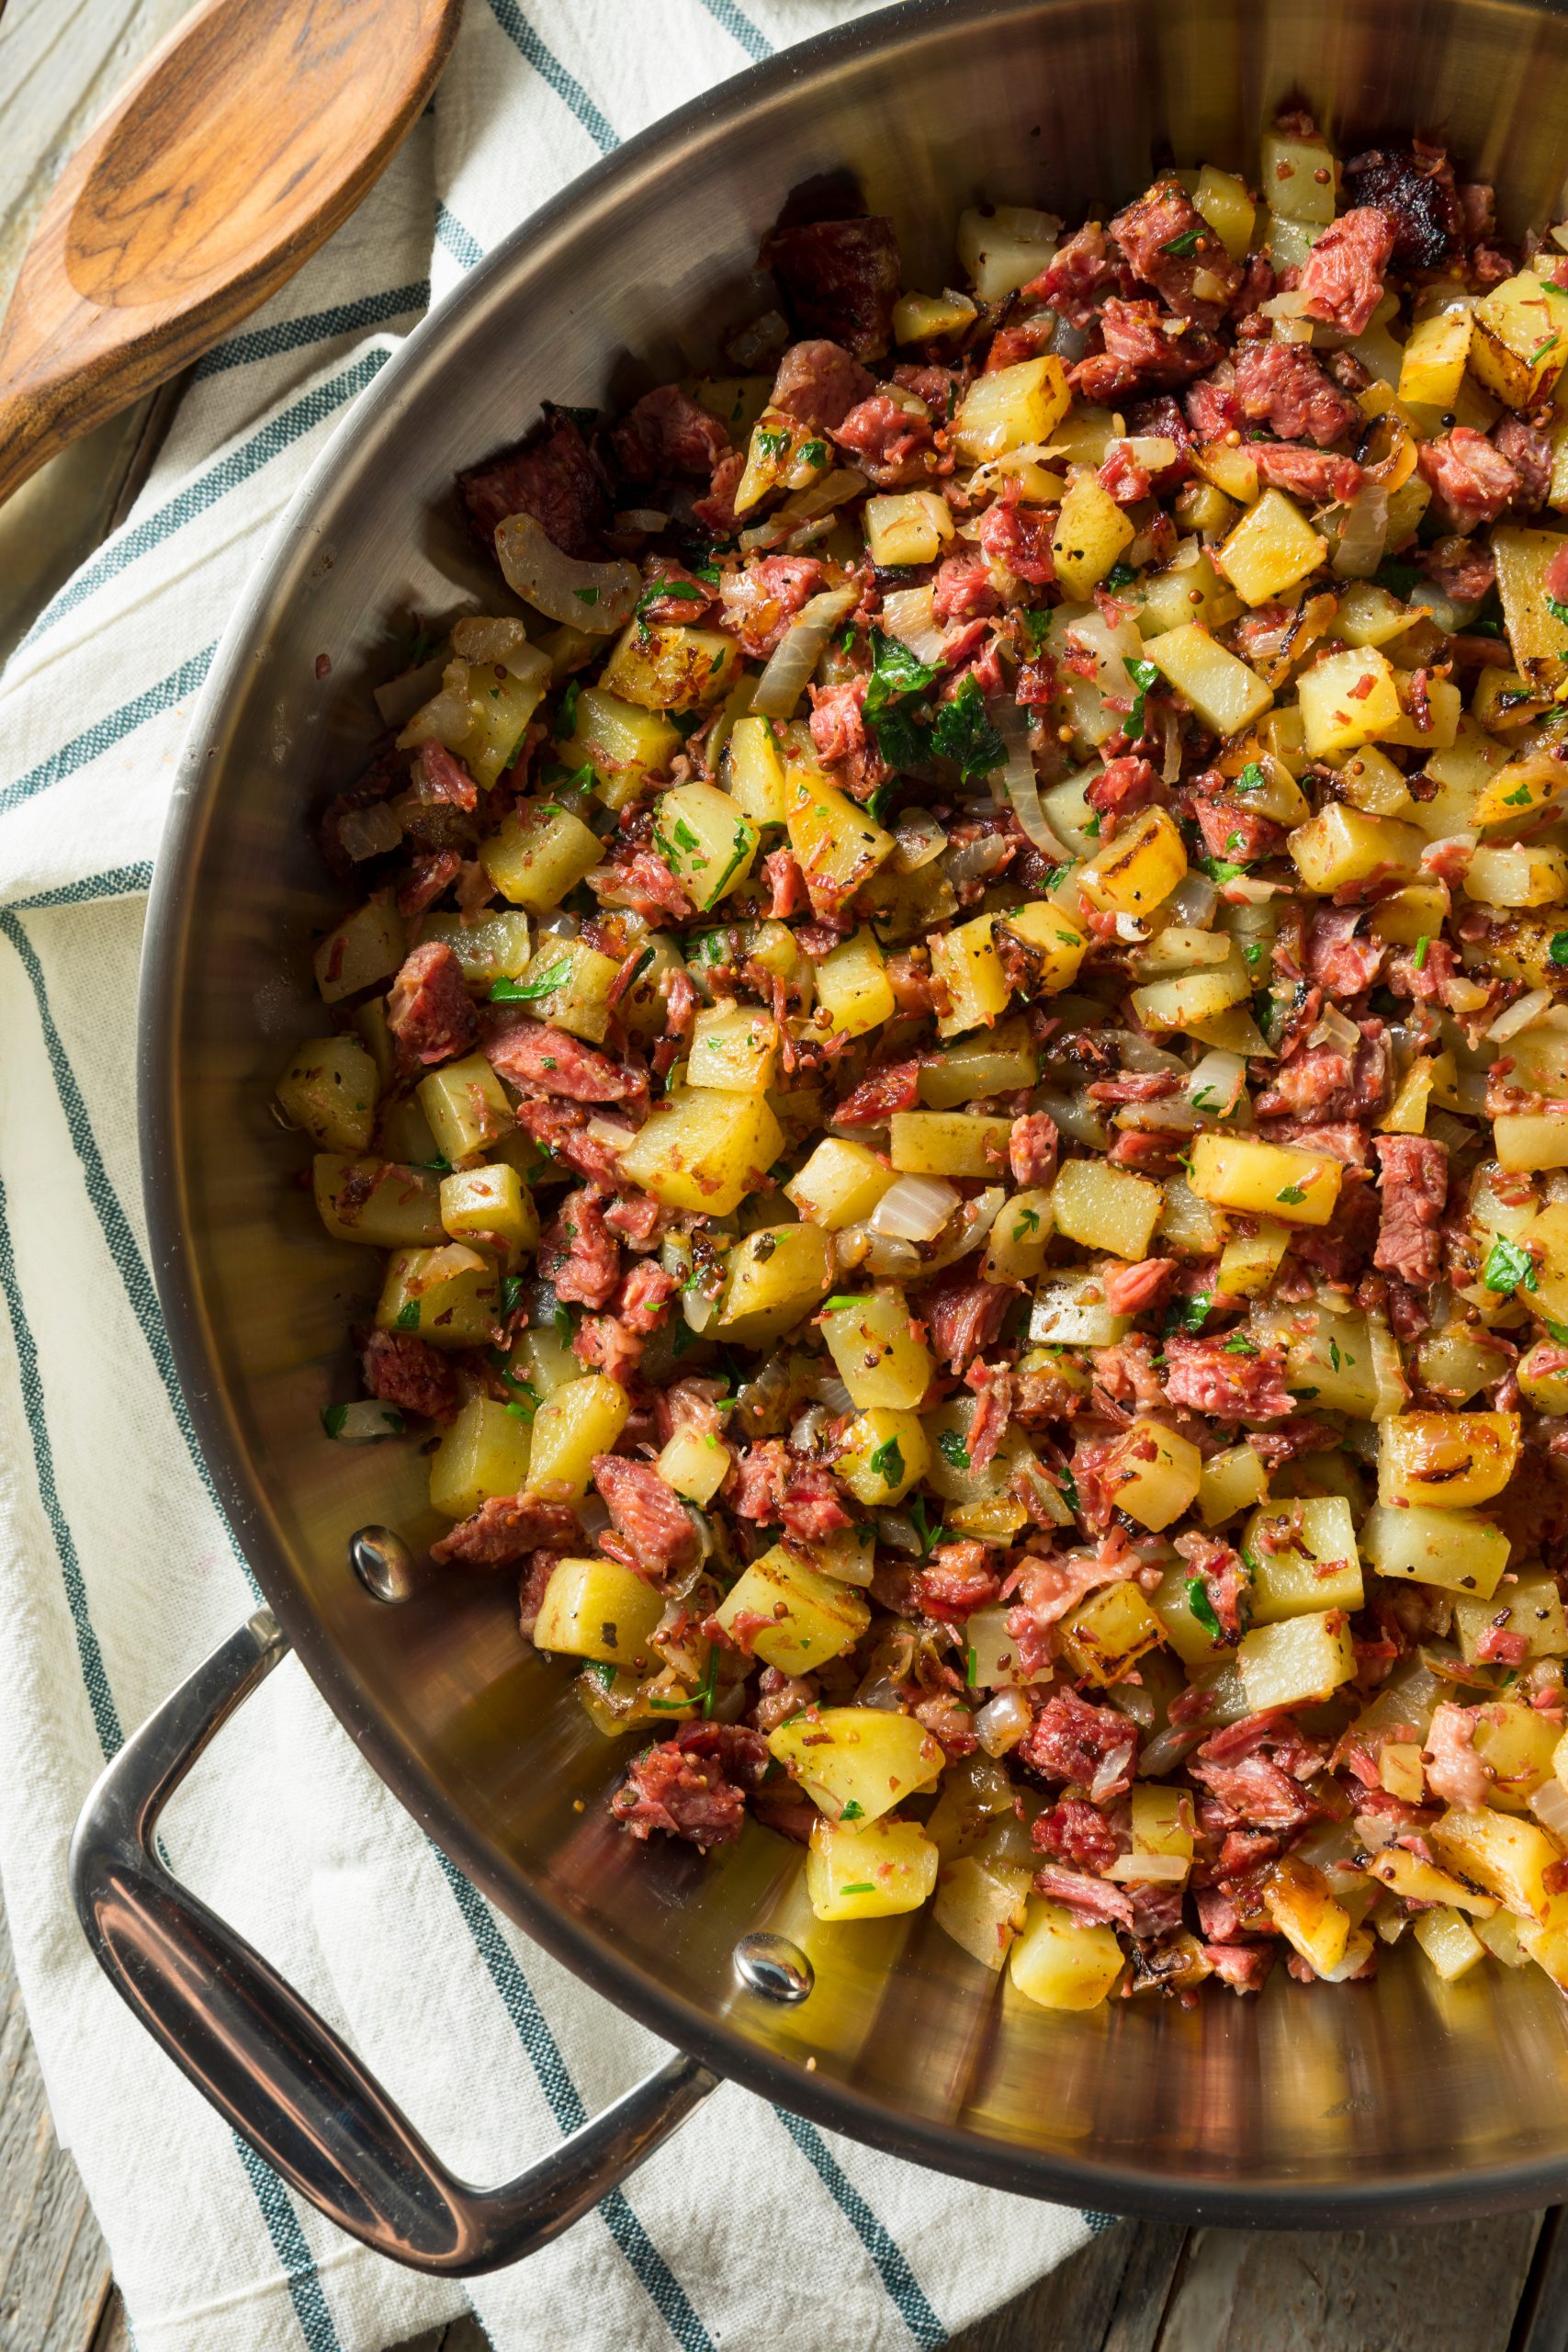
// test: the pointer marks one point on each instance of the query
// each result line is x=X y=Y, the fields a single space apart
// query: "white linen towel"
x=116 y=1571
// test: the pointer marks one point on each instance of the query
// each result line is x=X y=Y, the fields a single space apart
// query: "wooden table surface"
x=1489 y=2286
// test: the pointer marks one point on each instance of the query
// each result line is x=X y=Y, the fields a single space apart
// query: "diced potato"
x=733 y=1048
x=1226 y=694
x=1527 y=1139
x=466 y=1107
x=1516 y=1746
x=1140 y=869
x=1328 y=1358
x=661 y=666
x=1507 y=1856
x=840 y=1184
x=857 y=1763
x=1298 y=176
x=1091 y=531
x=329 y=1089
x=1230 y=211
x=543 y=1359
x=870 y=1339
x=1520 y=338
x=1529 y=1606
x=378 y=1201
x=1341 y=845
x=1303 y=1560
x=1059 y=945
x=1020 y=1238
x=1260 y=1179
x=1105 y=1208
x=1297 y=1661
x=694 y=1463
x=483 y=1451
x=568 y=984
x=1194 y=1642
x=774 y=1276
x=1349 y=699
x=926 y=318
x=1447 y=1460
x=853 y=987
x=1002 y=246
x=869 y=1872
x=490 y=1204
x=1190 y=1225
x=1161 y=1822
x=1451 y=1548
x=539 y=855
x=1070 y=1312
x=1231 y=469
x=704 y=1150
x=597 y=1609
x=577 y=1420
x=1544 y=1941
x=1152 y=1473
x=1436 y=352
x=996 y=1062
x=982 y=1905
x=366 y=946
x=496 y=948
x=948 y=1143
x=810 y=1618
x=705 y=839
x=910 y=526
x=1193 y=998
x=1521 y=877
x=1538 y=641
x=756 y=771
x=1061 y=1960
x=450 y=1296
x=966 y=961
x=838 y=846
x=1186 y=592
x=991 y=1658
x=1448 y=1940
x=1229 y=1482
x=1503 y=1935
x=882 y=1455
x=1106 y=1633
x=1541 y=1380
x=621 y=742
x=1273 y=547
x=1296 y=1897
x=1249 y=1262
x=1009 y=408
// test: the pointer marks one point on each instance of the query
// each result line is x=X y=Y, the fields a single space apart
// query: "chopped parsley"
x=561 y=1318
x=1558 y=951
x=1144 y=675
x=1559 y=611
x=566 y=718
x=334 y=1419
x=1120 y=575
x=1238 y=1344
x=657 y=589
x=1419 y=958
x=1520 y=800
x=1202 y=1608
x=813 y=453
x=841 y=1299
x=1508 y=1267
x=887 y=1463
x=407 y=1315
x=1252 y=778
x=853 y=1811
x=861 y=1886
x=529 y=991
x=1293 y=1196
x=772 y=445
x=510 y=1296
x=1222 y=870
x=964 y=733
x=1028 y=1222
x=586 y=596
x=929 y=1536
x=1185 y=245
x=1188 y=1313
x=952 y=1448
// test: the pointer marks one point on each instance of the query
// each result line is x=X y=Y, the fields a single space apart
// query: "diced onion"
x=561 y=924
x=1150 y=1869
x=908 y=614
x=806 y=1428
x=1165 y=1751
x=1069 y=343
x=610 y=1132
x=917 y=840
x=891 y=1259
x=898 y=1532
x=1519 y=1015
x=1172 y=1115
x=819 y=497
x=1336 y=1028
x=400 y=698
x=829 y=1390
x=915 y=1208
x=642 y=518
x=448 y=718
x=1284 y=306
x=1217 y=1083
x=597 y=598
x=1002 y=1721
x=1020 y=784
x=973 y=861
x=798 y=652
x=1193 y=901
x=1550 y=1805
x=1109 y=1771
x=1363 y=534
x=482 y=639
x=969 y=1227
x=369 y=832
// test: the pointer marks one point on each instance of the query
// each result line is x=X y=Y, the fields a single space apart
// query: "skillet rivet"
x=776 y=1968
x=383 y=1563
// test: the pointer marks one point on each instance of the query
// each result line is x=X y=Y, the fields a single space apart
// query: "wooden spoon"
x=247 y=138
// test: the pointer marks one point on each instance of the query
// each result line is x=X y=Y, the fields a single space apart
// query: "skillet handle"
x=270 y=2066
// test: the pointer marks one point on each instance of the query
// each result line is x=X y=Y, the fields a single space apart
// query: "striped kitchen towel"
x=116 y=1571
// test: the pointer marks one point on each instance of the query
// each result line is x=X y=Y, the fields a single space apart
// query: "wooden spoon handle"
x=29 y=437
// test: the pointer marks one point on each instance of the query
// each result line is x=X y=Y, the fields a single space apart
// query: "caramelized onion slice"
x=597 y=598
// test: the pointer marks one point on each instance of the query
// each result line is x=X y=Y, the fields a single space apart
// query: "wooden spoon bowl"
x=247 y=138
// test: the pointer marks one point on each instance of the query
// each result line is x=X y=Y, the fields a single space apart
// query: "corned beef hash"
x=956 y=1032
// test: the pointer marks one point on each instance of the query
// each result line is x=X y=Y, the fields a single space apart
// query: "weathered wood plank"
x=1109 y=2298
x=1352 y=2291
x=54 y=2271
